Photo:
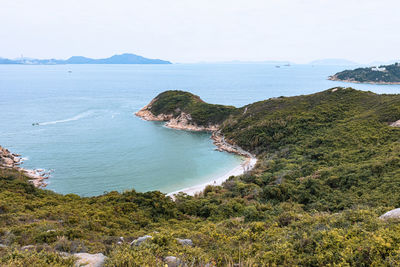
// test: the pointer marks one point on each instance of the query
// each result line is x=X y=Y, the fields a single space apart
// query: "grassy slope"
x=391 y=75
x=328 y=167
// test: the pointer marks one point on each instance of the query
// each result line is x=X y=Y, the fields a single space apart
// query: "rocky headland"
x=10 y=160
x=181 y=120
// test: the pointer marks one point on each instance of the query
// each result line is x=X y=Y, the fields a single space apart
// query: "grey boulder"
x=391 y=215
x=140 y=240
x=172 y=261
x=90 y=260
x=185 y=242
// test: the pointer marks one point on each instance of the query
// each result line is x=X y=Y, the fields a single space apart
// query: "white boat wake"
x=74 y=118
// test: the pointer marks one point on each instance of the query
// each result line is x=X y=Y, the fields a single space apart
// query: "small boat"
x=70 y=71
x=277 y=66
x=35 y=124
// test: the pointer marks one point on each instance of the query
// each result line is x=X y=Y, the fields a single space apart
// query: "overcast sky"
x=202 y=30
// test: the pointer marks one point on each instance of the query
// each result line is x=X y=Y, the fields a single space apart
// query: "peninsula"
x=116 y=59
x=385 y=74
x=324 y=192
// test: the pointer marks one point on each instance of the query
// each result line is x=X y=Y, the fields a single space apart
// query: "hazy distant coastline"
x=115 y=59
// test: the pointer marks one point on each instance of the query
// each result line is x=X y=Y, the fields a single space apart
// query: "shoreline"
x=332 y=78
x=12 y=161
x=244 y=167
x=182 y=122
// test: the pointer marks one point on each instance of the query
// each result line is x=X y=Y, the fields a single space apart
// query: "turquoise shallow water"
x=90 y=137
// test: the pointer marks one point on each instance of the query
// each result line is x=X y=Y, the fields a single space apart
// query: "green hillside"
x=328 y=167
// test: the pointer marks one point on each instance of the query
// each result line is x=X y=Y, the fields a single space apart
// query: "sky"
x=202 y=30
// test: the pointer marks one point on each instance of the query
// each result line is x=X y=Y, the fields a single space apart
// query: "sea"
x=78 y=121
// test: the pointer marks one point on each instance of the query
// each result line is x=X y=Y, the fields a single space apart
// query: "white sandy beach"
x=239 y=170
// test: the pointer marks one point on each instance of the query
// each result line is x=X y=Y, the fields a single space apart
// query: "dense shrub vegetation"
x=175 y=102
x=329 y=166
x=328 y=151
x=385 y=74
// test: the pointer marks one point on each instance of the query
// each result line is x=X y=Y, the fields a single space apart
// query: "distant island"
x=116 y=59
x=385 y=74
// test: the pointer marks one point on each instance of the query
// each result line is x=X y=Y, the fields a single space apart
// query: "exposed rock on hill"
x=9 y=160
x=391 y=215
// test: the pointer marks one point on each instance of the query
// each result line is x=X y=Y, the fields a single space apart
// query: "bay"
x=88 y=133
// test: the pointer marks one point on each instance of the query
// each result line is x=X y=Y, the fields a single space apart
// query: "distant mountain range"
x=116 y=59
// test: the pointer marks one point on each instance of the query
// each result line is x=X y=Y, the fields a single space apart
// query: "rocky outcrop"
x=172 y=261
x=28 y=248
x=90 y=260
x=223 y=145
x=146 y=114
x=391 y=215
x=9 y=160
x=183 y=121
x=185 y=242
x=140 y=240
x=335 y=78
x=395 y=124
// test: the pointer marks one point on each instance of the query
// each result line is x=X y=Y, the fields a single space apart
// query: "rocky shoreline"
x=334 y=78
x=181 y=122
x=184 y=122
x=13 y=161
x=223 y=145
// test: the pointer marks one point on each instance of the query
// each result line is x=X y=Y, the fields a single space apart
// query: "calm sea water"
x=90 y=137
